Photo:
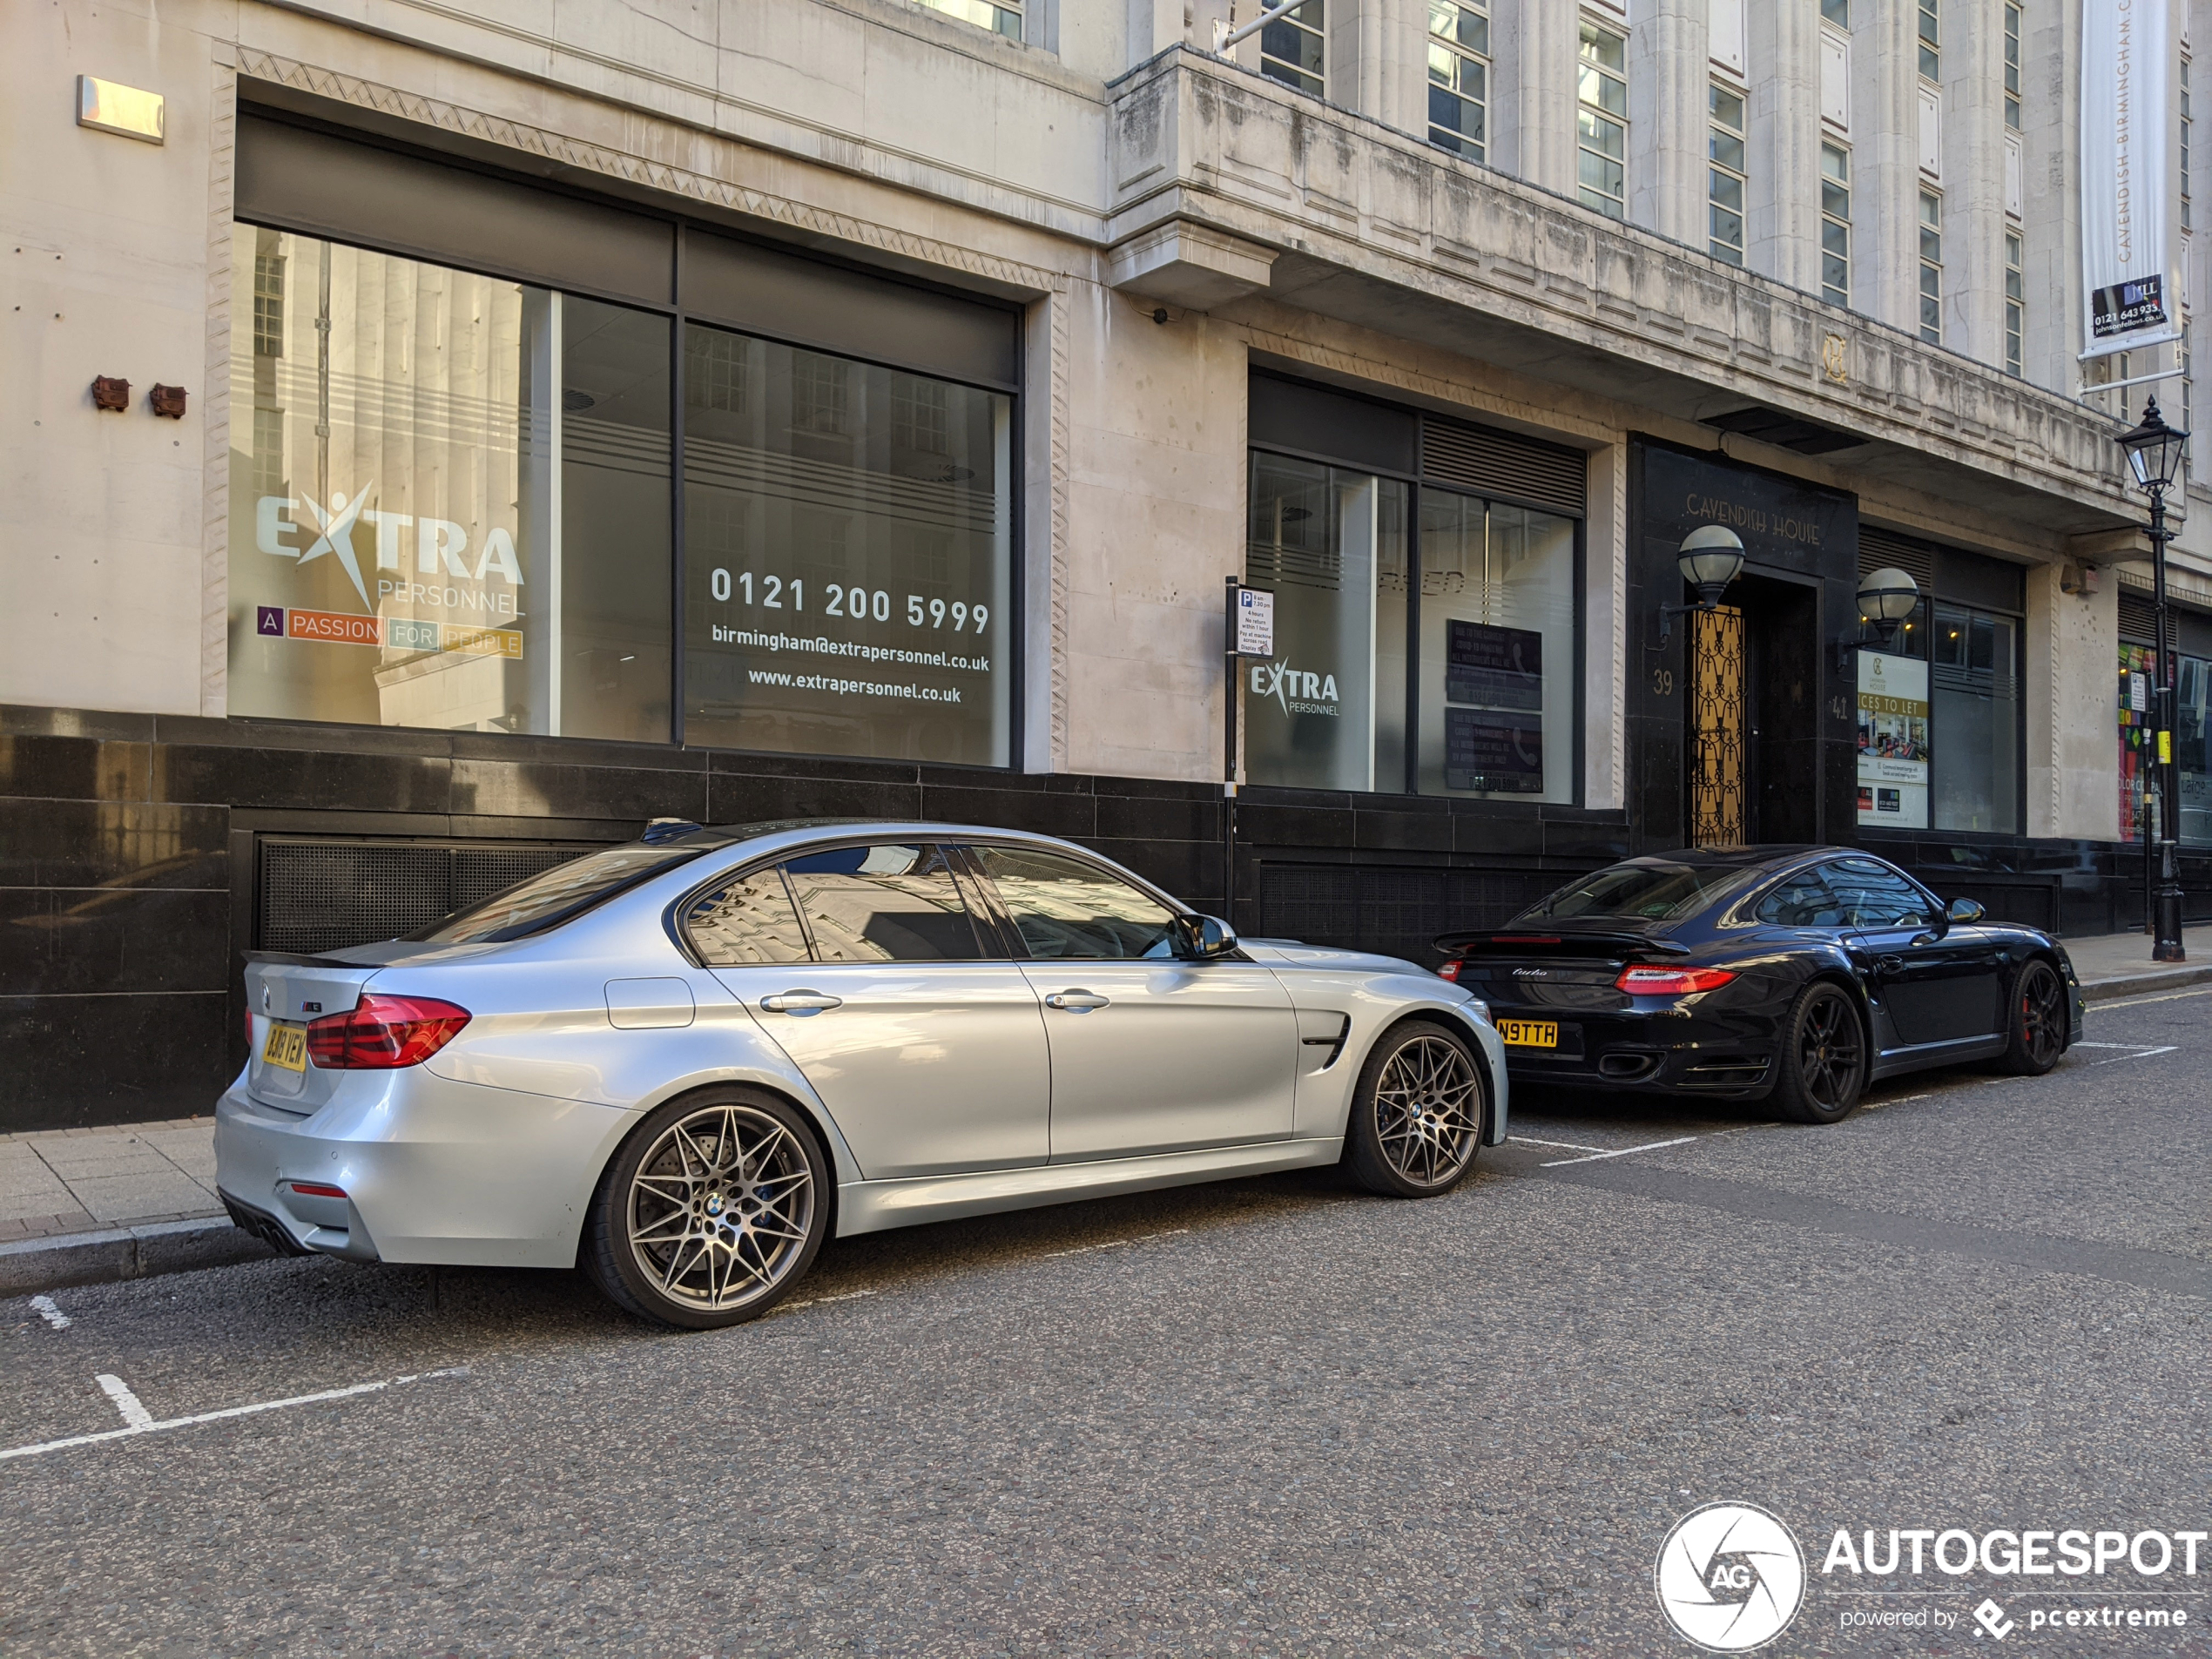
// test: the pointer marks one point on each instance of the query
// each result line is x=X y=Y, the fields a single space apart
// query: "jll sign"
x=2126 y=265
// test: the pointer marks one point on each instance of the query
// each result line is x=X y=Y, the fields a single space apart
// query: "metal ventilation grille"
x=323 y=895
x=1882 y=550
x=1503 y=463
x=1394 y=911
x=2138 y=618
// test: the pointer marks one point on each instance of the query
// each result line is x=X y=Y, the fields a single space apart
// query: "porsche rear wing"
x=1567 y=942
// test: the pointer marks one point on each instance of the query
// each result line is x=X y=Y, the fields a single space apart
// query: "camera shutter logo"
x=1730 y=1577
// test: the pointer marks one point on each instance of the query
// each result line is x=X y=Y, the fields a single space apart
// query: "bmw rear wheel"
x=1822 y=1057
x=712 y=1210
x=2035 y=1021
x=1417 y=1114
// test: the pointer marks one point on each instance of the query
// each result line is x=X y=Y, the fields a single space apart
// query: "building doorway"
x=1752 y=742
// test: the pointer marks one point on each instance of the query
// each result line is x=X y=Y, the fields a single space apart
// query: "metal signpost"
x=1248 y=630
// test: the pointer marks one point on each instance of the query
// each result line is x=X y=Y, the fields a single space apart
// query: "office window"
x=1602 y=127
x=454 y=512
x=1725 y=178
x=1837 y=12
x=1930 y=58
x=1835 y=223
x=1459 y=76
x=1932 y=267
x=2015 y=307
x=999 y=17
x=2013 y=65
x=269 y=305
x=1977 y=710
x=2185 y=144
x=1290 y=48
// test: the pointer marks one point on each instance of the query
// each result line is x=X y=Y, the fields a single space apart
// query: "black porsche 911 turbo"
x=1797 y=974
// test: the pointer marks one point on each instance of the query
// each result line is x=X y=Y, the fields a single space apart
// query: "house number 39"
x=1662 y=682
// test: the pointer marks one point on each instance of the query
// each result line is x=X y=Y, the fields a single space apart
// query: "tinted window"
x=1802 y=901
x=747 y=919
x=1066 y=909
x=1648 y=890
x=891 y=902
x=1873 y=895
x=564 y=891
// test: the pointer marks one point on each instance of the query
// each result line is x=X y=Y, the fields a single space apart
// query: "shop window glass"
x=2138 y=734
x=451 y=507
x=1894 y=737
x=846 y=542
x=1975 y=675
x=2192 y=753
x=1329 y=711
x=1497 y=649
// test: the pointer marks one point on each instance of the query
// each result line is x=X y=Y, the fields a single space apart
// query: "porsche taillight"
x=384 y=1032
x=1450 y=970
x=1641 y=980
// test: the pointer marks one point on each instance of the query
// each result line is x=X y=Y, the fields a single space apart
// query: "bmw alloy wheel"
x=720 y=1209
x=1418 y=1115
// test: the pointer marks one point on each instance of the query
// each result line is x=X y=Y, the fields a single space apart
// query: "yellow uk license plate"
x=285 y=1046
x=1530 y=1034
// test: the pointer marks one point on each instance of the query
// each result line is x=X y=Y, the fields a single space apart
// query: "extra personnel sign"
x=2126 y=264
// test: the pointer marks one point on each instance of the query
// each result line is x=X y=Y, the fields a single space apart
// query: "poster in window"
x=1495 y=667
x=1893 y=741
x=1498 y=750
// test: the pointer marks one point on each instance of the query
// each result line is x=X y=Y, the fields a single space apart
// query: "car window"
x=888 y=902
x=555 y=895
x=1065 y=909
x=1873 y=895
x=1802 y=899
x=745 y=920
x=1647 y=890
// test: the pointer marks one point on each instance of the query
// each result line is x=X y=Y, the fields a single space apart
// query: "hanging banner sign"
x=2126 y=265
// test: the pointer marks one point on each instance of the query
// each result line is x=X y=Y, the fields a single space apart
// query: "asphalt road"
x=1270 y=1417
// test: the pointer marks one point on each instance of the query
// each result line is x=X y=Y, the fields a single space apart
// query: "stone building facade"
x=734 y=411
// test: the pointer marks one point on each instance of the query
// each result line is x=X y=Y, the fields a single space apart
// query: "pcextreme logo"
x=1730 y=1577
x=438 y=544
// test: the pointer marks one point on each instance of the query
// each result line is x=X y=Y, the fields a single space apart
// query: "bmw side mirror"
x=1964 y=910
x=1200 y=939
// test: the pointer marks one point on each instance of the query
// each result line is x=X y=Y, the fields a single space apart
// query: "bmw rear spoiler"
x=1566 y=942
x=292 y=958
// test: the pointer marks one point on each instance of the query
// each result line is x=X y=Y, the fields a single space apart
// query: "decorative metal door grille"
x=1716 y=728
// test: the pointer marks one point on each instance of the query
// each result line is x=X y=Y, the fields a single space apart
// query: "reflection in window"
x=847 y=572
x=1801 y=900
x=999 y=17
x=1726 y=176
x=1976 y=739
x=1066 y=910
x=1329 y=711
x=1603 y=121
x=1873 y=895
x=1497 y=656
x=745 y=920
x=883 y=904
x=1290 y=48
x=453 y=510
x=1459 y=76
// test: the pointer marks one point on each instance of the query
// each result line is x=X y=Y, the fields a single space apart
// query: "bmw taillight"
x=384 y=1032
x=1670 y=982
x=1450 y=970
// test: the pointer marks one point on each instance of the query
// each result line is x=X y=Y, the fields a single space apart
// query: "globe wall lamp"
x=1886 y=600
x=1711 y=557
x=2154 y=452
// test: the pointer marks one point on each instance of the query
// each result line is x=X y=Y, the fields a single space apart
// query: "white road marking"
x=1116 y=1244
x=2145 y=1054
x=44 y=1308
x=136 y=1415
x=1565 y=1146
x=154 y=1426
x=2137 y=1001
x=1684 y=1140
x=2083 y=1043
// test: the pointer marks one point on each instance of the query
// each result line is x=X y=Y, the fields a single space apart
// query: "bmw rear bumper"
x=432 y=1171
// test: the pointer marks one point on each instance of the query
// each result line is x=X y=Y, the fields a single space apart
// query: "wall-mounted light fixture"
x=111 y=393
x=127 y=112
x=1711 y=557
x=168 y=400
x=1886 y=600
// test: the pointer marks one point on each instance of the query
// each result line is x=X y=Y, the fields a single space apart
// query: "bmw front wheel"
x=712 y=1210
x=1417 y=1114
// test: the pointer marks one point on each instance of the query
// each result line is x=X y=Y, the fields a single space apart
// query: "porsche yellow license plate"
x=285 y=1046
x=1530 y=1034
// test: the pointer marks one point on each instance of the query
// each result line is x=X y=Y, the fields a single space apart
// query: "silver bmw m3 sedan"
x=684 y=1062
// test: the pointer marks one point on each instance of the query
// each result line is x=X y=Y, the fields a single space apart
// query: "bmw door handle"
x=1075 y=1001
x=800 y=1003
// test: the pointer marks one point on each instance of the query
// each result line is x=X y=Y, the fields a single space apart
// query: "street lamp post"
x=2154 y=451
